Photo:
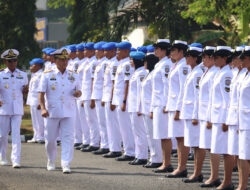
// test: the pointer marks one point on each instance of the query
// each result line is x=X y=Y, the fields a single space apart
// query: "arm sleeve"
x=164 y=75
x=128 y=71
x=78 y=85
x=113 y=72
x=139 y=80
x=210 y=90
x=42 y=87
x=93 y=67
x=183 y=72
x=196 y=82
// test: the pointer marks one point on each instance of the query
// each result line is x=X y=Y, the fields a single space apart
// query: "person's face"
x=145 y=65
x=220 y=61
x=191 y=60
x=160 y=52
x=246 y=62
x=61 y=63
x=99 y=54
x=11 y=64
x=45 y=56
x=207 y=61
x=236 y=62
x=80 y=54
x=35 y=67
x=122 y=53
x=89 y=53
x=176 y=54
x=132 y=62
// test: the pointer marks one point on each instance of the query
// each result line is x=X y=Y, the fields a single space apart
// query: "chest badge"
x=6 y=85
x=53 y=87
x=53 y=77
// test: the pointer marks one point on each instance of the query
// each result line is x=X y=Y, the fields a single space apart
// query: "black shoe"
x=131 y=162
x=229 y=187
x=174 y=151
x=178 y=175
x=101 y=151
x=194 y=180
x=41 y=141
x=89 y=149
x=58 y=143
x=112 y=155
x=152 y=165
x=82 y=146
x=139 y=162
x=125 y=158
x=191 y=156
x=77 y=144
x=169 y=168
x=175 y=155
x=235 y=169
x=215 y=183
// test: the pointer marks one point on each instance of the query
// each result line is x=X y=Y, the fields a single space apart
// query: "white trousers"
x=52 y=127
x=113 y=130
x=37 y=123
x=100 y=112
x=126 y=132
x=154 y=144
x=83 y=123
x=77 y=129
x=13 y=123
x=91 y=118
x=160 y=123
x=140 y=135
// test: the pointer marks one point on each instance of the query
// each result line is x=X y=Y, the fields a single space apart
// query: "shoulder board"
x=47 y=71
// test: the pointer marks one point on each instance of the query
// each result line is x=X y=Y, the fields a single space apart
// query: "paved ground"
x=90 y=172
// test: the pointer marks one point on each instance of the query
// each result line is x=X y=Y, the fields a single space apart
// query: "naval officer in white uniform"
x=13 y=83
x=60 y=86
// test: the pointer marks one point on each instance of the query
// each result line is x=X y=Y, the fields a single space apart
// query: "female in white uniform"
x=189 y=110
x=205 y=94
x=177 y=78
x=219 y=109
x=155 y=159
x=134 y=91
x=244 y=120
x=158 y=102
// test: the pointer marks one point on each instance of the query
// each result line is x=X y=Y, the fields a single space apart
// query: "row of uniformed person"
x=188 y=102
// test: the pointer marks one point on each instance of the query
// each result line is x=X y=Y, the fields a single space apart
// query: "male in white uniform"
x=114 y=135
x=123 y=74
x=50 y=64
x=13 y=83
x=36 y=65
x=60 y=86
x=97 y=96
x=89 y=106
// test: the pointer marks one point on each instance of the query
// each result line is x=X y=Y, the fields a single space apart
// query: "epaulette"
x=47 y=71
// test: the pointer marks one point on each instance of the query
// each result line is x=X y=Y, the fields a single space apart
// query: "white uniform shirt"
x=220 y=95
x=146 y=95
x=124 y=73
x=177 y=78
x=134 y=90
x=59 y=89
x=32 y=98
x=11 y=96
x=49 y=66
x=233 y=114
x=73 y=64
x=109 y=77
x=203 y=67
x=160 y=82
x=88 y=75
x=244 y=105
x=98 y=79
x=190 y=104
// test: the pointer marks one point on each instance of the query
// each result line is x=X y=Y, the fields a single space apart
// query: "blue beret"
x=36 y=60
x=137 y=55
x=150 y=48
x=196 y=45
x=80 y=47
x=90 y=46
x=72 y=48
x=143 y=49
x=49 y=51
x=243 y=46
x=132 y=49
x=109 y=46
x=98 y=45
x=124 y=45
x=45 y=49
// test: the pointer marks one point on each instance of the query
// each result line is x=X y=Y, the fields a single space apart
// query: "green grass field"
x=26 y=126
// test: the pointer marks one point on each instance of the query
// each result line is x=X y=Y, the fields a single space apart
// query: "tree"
x=17 y=29
x=231 y=17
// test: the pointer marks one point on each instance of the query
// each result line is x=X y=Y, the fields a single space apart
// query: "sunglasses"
x=12 y=60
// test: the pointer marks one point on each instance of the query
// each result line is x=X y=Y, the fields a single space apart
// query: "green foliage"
x=17 y=28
